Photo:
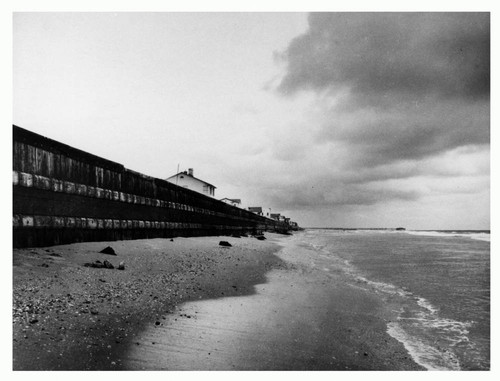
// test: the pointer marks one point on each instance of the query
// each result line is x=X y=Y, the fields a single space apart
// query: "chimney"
x=190 y=172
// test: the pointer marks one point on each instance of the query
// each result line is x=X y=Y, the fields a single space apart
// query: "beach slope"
x=68 y=316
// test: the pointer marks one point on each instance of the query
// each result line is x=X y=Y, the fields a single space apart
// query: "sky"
x=332 y=119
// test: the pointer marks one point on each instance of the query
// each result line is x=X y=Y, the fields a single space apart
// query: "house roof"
x=255 y=209
x=187 y=174
x=235 y=200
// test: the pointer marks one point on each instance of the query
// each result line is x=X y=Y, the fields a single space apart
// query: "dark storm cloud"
x=384 y=54
x=405 y=85
x=408 y=133
x=318 y=192
x=393 y=90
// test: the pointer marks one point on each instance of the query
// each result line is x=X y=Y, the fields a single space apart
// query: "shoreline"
x=70 y=317
x=302 y=318
x=175 y=300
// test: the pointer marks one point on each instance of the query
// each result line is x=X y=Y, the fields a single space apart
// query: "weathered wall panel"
x=62 y=195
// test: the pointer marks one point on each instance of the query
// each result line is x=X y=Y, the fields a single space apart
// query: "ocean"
x=434 y=284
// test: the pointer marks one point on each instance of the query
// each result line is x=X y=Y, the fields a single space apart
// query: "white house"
x=186 y=179
x=266 y=212
x=261 y=211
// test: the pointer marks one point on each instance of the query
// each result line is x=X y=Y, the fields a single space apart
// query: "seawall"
x=63 y=195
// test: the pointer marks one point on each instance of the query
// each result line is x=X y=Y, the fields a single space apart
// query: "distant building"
x=232 y=201
x=187 y=180
x=266 y=212
x=275 y=216
x=256 y=210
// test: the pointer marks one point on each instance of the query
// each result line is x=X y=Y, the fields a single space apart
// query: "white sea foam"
x=425 y=319
x=424 y=303
x=480 y=236
x=424 y=354
x=454 y=331
x=383 y=287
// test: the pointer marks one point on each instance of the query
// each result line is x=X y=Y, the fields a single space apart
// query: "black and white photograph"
x=250 y=190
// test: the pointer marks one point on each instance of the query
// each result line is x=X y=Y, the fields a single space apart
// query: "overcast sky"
x=333 y=119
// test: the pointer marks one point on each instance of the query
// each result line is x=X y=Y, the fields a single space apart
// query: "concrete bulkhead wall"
x=64 y=195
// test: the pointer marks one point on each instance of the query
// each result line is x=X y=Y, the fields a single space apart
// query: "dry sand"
x=71 y=317
x=179 y=306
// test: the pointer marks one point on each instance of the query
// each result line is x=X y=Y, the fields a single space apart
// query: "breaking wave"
x=474 y=234
x=417 y=326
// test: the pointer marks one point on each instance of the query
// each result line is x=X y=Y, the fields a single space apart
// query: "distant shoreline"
x=417 y=230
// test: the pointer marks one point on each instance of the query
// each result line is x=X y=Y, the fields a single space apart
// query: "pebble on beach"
x=108 y=250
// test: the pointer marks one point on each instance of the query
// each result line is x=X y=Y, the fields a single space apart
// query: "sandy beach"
x=68 y=316
x=179 y=305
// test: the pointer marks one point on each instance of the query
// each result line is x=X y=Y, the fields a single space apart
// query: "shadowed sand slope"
x=67 y=316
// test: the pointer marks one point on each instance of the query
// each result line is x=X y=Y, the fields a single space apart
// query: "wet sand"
x=192 y=305
x=302 y=318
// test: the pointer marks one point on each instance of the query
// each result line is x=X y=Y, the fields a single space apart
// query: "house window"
x=205 y=188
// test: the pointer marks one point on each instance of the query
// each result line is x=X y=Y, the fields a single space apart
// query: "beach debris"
x=225 y=243
x=100 y=265
x=55 y=255
x=44 y=265
x=121 y=266
x=260 y=237
x=171 y=240
x=108 y=250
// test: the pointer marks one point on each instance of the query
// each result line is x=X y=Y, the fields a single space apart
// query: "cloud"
x=400 y=98
x=318 y=193
x=376 y=55
x=388 y=121
x=395 y=86
x=397 y=119
x=378 y=137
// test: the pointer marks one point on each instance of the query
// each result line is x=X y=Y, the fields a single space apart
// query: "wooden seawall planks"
x=63 y=195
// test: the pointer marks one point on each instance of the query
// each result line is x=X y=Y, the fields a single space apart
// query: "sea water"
x=435 y=283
